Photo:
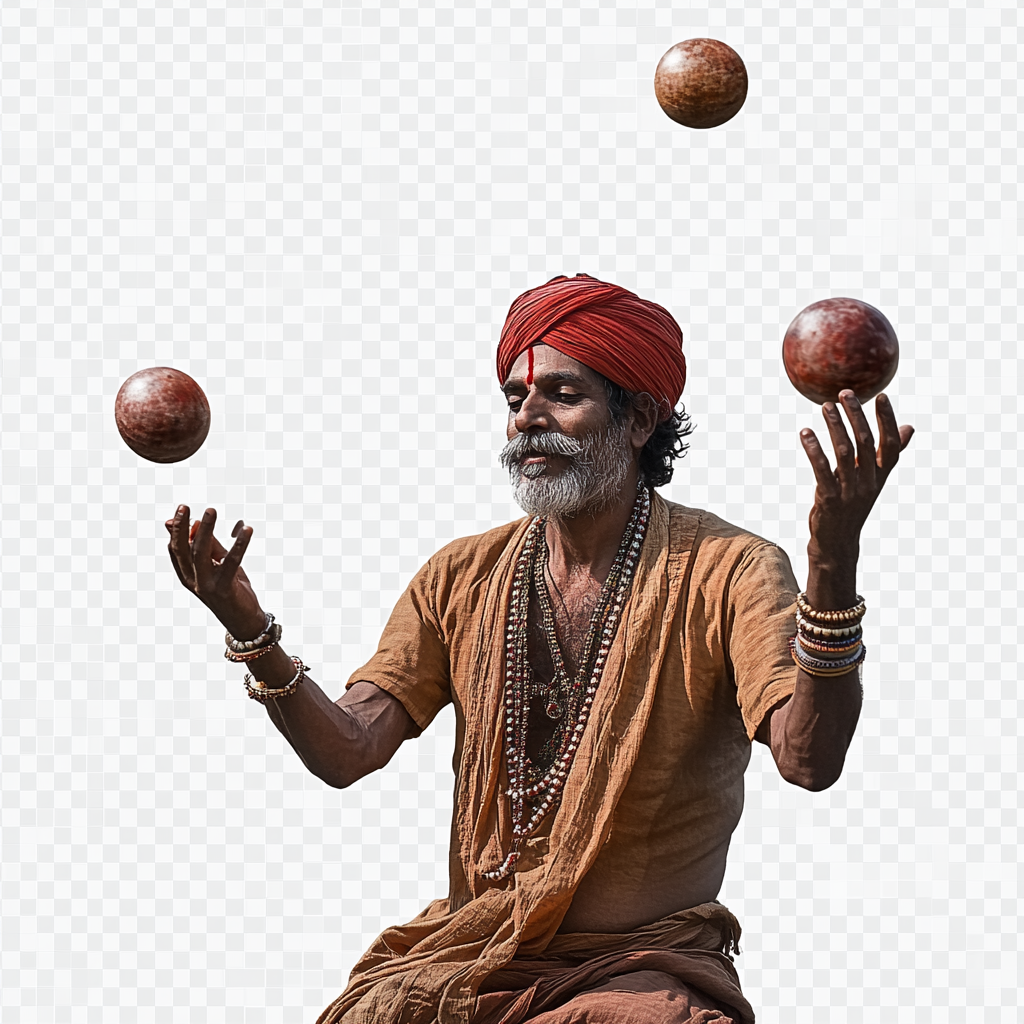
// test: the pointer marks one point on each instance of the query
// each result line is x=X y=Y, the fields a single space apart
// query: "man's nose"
x=533 y=414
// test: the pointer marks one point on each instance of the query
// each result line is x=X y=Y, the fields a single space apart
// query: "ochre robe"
x=657 y=783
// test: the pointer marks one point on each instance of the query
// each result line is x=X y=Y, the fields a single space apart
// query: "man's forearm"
x=811 y=733
x=338 y=742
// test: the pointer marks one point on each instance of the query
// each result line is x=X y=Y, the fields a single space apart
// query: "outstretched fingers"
x=865 y=441
x=179 y=548
x=202 y=550
x=892 y=439
x=232 y=559
x=828 y=485
x=846 y=464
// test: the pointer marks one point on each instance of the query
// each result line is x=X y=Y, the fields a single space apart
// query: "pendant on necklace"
x=554 y=702
x=554 y=706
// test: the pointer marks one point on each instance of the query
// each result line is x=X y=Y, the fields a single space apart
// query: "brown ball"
x=701 y=83
x=162 y=414
x=840 y=343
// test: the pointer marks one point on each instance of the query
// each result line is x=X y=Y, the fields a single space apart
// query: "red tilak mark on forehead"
x=529 y=366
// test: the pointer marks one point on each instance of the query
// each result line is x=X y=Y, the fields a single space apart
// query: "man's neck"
x=586 y=544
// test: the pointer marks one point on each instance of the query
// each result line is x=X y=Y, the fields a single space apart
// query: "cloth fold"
x=693 y=947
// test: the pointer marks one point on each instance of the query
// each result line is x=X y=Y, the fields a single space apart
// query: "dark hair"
x=664 y=446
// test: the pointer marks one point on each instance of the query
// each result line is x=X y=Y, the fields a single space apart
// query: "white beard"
x=592 y=482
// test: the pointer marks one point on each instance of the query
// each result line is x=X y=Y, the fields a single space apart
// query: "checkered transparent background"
x=322 y=214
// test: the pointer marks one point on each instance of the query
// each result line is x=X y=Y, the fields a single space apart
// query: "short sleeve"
x=412 y=662
x=762 y=603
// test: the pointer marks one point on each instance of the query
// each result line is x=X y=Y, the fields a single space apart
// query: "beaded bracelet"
x=259 y=691
x=828 y=660
x=806 y=626
x=831 y=623
x=270 y=635
x=824 y=669
x=832 y=674
x=828 y=616
x=832 y=648
x=248 y=655
x=828 y=673
x=836 y=617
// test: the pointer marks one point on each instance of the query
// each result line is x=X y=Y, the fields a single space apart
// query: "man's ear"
x=644 y=420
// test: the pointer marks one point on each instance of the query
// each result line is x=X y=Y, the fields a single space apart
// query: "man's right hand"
x=340 y=741
x=214 y=574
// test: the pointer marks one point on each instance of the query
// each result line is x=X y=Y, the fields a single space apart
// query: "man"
x=610 y=659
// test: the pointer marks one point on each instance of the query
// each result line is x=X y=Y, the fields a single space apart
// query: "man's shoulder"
x=472 y=558
x=715 y=538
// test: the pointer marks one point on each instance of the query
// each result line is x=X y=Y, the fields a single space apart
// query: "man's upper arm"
x=764 y=730
x=411 y=663
x=382 y=720
x=760 y=621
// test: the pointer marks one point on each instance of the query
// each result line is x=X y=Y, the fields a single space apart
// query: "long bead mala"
x=533 y=797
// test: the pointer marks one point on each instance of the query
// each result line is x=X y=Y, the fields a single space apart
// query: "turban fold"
x=634 y=343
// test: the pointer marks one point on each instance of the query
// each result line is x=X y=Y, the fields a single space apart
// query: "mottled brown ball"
x=701 y=83
x=840 y=343
x=162 y=414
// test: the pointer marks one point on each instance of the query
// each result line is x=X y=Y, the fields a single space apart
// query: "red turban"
x=634 y=343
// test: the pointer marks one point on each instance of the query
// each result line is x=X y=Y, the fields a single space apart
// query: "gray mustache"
x=522 y=446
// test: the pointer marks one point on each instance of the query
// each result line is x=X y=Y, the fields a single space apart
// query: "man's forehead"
x=541 y=361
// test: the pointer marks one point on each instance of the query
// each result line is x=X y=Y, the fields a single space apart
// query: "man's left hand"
x=810 y=733
x=844 y=496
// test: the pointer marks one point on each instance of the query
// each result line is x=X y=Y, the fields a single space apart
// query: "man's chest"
x=560 y=624
x=561 y=629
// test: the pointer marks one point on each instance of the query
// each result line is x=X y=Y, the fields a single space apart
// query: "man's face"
x=565 y=455
x=549 y=391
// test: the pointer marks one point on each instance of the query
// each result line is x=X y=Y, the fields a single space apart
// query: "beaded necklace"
x=535 y=789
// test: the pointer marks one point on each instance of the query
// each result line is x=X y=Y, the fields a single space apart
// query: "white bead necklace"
x=533 y=797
